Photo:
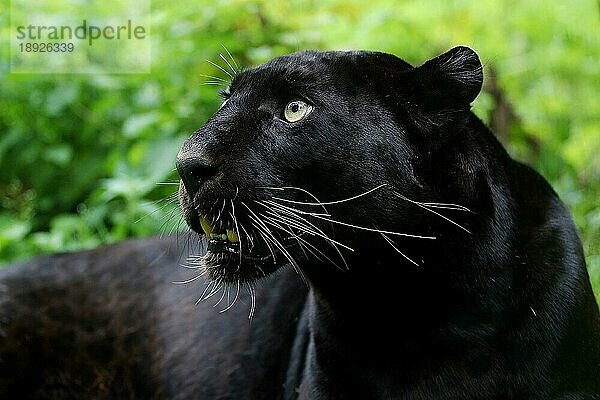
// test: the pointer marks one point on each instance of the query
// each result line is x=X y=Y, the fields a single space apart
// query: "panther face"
x=309 y=156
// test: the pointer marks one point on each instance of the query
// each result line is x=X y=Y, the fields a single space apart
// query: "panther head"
x=326 y=156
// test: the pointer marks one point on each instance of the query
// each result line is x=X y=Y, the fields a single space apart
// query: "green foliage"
x=80 y=155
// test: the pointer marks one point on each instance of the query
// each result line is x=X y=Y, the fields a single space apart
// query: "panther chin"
x=238 y=257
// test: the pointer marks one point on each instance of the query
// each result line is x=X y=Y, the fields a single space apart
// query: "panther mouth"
x=234 y=256
x=225 y=241
x=220 y=242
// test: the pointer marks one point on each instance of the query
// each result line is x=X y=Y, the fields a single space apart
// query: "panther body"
x=381 y=240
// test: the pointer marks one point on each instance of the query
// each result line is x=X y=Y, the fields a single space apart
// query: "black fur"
x=110 y=324
x=493 y=301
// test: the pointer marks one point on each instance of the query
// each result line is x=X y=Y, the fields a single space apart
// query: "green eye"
x=296 y=110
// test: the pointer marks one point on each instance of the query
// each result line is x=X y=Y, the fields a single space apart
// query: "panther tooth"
x=206 y=226
x=232 y=236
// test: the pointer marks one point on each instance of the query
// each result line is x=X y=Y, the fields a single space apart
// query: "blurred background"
x=87 y=159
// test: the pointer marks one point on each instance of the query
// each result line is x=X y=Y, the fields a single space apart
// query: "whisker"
x=302 y=243
x=195 y=278
x=267 y=241
x=216 y=78
x=237 y=229
x=177 y=227
x=252 y=293
x=256 y=224
x=317 y=232
x=431 y=211
x=391 y=243
x=301 y=190
x=213 y=83
x=225 y=290
x=265 y=233
x=303 y=225
x=163 y=227
x=448 y=206
x=169 y=200
x=221 y=210
x=276 y=243
x=250 y=239
x=228 y=64
x=326 y=203
x=214 y=291
x=279 y=224
x=364 y=228
x=221 y=68
x=295 y=209
x=205 y=291
x=237 y=293
x=189 y=267
x=237 y=68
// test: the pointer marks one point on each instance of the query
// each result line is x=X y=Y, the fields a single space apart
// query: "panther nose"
x=194 y=170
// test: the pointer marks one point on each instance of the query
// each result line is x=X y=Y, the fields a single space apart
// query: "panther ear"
x=450 y=80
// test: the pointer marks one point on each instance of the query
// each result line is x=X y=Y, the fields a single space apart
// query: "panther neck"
x=400 y=325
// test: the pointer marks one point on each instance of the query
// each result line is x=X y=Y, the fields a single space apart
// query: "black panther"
x=362 y=235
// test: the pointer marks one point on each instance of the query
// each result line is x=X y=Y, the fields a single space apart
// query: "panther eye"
x=296 y=110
